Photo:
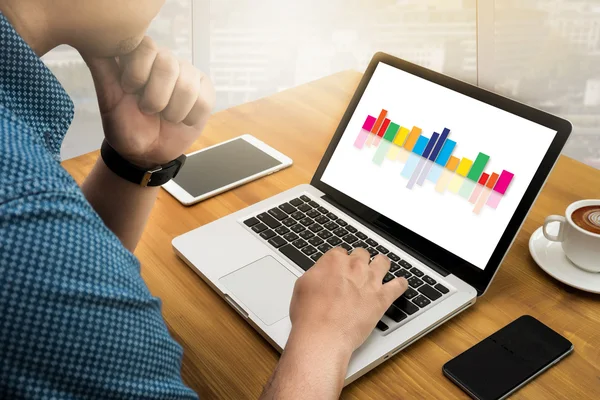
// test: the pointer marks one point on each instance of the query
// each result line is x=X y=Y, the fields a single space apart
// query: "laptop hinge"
x=430 y=263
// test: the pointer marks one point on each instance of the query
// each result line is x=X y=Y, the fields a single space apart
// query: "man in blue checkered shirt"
x=76 y=319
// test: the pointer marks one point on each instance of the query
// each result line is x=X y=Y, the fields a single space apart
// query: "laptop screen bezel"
x=476 y=277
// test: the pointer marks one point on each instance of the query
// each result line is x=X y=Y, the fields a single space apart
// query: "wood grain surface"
x=226 y=359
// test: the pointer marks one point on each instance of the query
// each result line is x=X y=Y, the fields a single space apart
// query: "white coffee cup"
x=580 y=246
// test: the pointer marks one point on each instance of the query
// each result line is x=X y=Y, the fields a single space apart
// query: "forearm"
x=123 y=206
x=309 y=368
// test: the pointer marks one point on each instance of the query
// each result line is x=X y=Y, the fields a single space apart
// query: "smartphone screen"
x=506 y=360
x=222 y=165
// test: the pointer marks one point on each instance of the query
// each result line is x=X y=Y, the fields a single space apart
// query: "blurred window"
x=547 y=54
x=263 y=46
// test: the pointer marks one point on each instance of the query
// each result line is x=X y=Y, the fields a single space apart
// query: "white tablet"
x=224 y=166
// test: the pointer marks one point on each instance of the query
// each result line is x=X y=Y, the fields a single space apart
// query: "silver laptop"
x=435 y=173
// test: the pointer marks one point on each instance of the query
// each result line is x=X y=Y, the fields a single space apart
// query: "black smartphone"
x=505 y=361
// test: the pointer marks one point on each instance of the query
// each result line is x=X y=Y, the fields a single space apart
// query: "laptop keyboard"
x=303 y=230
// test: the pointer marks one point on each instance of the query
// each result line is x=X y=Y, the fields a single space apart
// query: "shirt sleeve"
x=77 y=320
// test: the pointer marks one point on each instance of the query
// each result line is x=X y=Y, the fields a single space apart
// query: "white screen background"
x=513 y=143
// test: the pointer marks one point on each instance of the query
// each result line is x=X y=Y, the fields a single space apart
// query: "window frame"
x=201 y=35
x=485 y=35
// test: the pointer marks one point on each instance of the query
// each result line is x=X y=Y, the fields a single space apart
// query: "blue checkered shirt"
x=76 y=319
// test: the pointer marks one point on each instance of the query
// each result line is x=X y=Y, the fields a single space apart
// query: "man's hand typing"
x=335 y=307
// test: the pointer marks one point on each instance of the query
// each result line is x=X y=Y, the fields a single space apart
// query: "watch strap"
x=156 y=176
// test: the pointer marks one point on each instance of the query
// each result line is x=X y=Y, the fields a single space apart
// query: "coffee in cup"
x=587 y=218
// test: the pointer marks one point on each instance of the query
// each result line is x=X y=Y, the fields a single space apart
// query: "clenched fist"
x=153 y=106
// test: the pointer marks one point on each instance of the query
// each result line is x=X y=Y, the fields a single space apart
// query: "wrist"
x=155 y=175
x=321 y=342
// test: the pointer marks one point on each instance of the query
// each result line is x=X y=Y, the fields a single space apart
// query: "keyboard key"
x=442 y=288
x=251 y=222
x=382 y=249
x=316 y=228
x=300 y=243
x=288 y=208
x=296 y=202
x=332 y=226
x=309 y=250
x=372 y=251
x=268 y=220
x=405 y=264
x=429 y=280
x=351 y=229
x=277 y=242
x=267 y=234
x=340 y=232
x=388 y=277
x=403 y=273
x=307 y=235
x=417 y=272
x=332 y=216
x=323 y=210
x=314 y=204
x=341 y=222
x=296 y=256
x=278 y=214
x=315 y=257
x=306 y=221
x=289 y=222
x=394 y=257
x=305 y=208
x=325 y=234
x=305 y=198
x=282 y=230
x=346 y=246
x=298 y=215
x=405 y=305
x=395 y=314
x=360 y=244
x=421 y=301
x=290 y=237
x=382 y=326
x=372 y=243
x=298 y=228
x=334 y=241
x=316 y=241
x=313 y=213
x=324 y=248
x=322 y=219
x=430 y=292
x=414 y=282
x=394 y=267
x=350 y=239
x=361 y=236
x=259 y=228
x=410 y=293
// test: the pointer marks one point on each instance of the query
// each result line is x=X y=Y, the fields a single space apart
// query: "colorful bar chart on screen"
x=430 y=157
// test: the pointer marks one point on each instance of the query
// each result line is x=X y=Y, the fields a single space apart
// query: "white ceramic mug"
x=580 y=246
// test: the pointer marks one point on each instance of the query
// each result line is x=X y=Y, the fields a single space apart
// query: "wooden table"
x=226 y=359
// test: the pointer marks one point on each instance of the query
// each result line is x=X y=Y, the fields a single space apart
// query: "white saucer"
x=551 y=258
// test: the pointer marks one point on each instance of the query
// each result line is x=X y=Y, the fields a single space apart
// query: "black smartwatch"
x=156 y=176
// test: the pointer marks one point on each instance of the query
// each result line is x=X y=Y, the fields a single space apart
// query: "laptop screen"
x=448 y=167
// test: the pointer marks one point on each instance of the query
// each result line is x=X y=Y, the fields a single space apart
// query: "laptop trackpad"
x=264 y=288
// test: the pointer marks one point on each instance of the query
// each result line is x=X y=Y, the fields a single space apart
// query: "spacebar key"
x=297 y=256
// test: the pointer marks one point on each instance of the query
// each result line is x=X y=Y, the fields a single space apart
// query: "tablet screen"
x=222 y=165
